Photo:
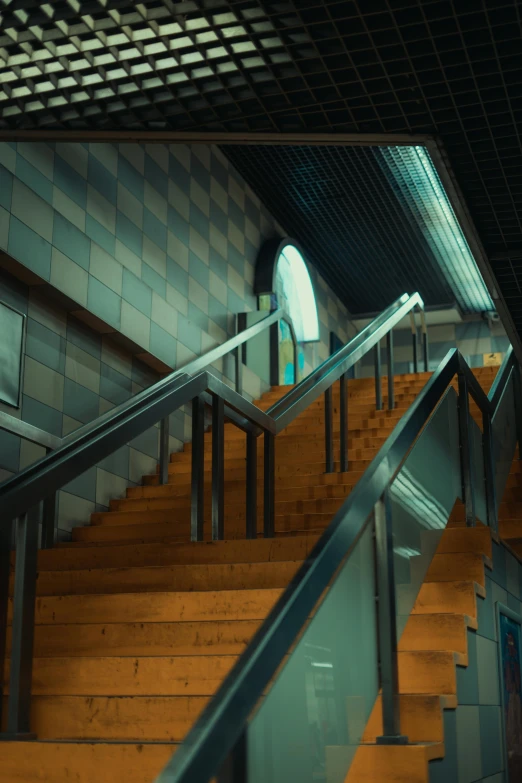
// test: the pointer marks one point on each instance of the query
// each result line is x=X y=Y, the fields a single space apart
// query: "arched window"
x=282 y=270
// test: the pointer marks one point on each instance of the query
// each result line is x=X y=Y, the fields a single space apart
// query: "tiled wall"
x=72 y=375
x=473 y=339
x=157 y=241
x=473 y=732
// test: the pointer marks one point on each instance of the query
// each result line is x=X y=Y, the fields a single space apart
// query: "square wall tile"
x=129 y=234
x=109 y=486
x=127 y=258
x=102 y=180
x=82 y=368
x=102 y=210
x=135 y=325
x=137 y=293
x=68 y=208
x=163 y=345
x=487 y=667
x=9 y=451
x=468 y=741
x=155 y=175
x=42 y=416
x=43 y=384
x=154 y=229
x=68 y=239
x=107 y=154
x=189 y=334
x=491 y=740
x=106 y=269
x=39 y=155
x=84 y=486
x=147 y=442
x=498 y=573
x=70 y=182
x=129 y=174
x=104 y=303
x=115 y=357
x=73 y=511
x=46 y=313
x=117 y=462
x=79 y=402
x=114 y=386
x=30 y=453
x=34 y=179
x=131 y=206
x=45 y=346
x=5 y=218
x=154 y=280
x=69 y=278
x=140 y=465
x=85 y=338
x=154 y=256
x=76 y=156
x=29 y=248
x=100 y=234
x=164 y=315
x=512 y=575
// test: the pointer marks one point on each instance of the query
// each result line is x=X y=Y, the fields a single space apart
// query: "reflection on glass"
x=295 y=294
x=311 y=722
x=477 y=467
x=504 y=439
x=422 y=498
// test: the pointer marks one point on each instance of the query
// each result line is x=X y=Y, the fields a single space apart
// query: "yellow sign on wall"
x=492 y=359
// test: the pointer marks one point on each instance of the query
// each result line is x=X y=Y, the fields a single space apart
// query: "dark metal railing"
x=216 y=745
x=38 y=484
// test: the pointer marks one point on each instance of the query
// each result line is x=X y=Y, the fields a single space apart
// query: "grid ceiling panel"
x=419 y=66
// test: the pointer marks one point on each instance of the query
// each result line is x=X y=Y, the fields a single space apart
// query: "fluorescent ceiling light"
x=421 y=194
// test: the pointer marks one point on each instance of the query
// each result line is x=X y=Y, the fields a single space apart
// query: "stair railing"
x=217 y=747
x=84 y=448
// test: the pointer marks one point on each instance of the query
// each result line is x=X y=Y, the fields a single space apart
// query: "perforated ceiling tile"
x=388 y=66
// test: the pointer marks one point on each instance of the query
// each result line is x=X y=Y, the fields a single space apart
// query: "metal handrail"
x=221 y=725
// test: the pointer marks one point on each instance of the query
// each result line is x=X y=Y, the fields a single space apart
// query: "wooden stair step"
x=448 y=597
x=138 y=719
x=83 y=762
x=158 y=554
x=166 y=607
x=201 y=577
x=428 y=671
x=383 y=763
x=452 y=566
x=469 y=539
x=196 y=675
x=421 y=718
x=221 y=637
x=437 y=632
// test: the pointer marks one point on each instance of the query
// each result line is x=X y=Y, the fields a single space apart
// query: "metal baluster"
x=198 y=470
x=164 y=451
x=517 y=393
x=343 y=422
x=6 y=532
x=414 y=342
x=235 y=766
x=251 y=486
x=22 y=635
x=49 y=521
x=378 y=383
x=387 y=618
x=425 y=345
x=468 y=494
x=391 y=370
x=238 y=353
x=328 y=430
x=269 y=488
x=489 y=471
x=218 y=468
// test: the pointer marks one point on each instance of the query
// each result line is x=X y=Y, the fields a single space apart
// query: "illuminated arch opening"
x=282 y=270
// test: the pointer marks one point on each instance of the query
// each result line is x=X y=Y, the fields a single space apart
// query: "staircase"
x=136 y=627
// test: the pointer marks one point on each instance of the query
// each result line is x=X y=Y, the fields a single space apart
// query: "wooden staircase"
x=136 y=626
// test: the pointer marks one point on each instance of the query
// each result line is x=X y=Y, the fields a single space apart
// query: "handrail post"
x=269 y=488
x=414 y=342
x=378 y=383
x=391 y=370
x=251 y=485
x=49 y=520
x=387 y=617
x=238 y=353
x=425 y=344
x=517 y=394
x=328 y=430
x=6 y=532
x=218 y=468
x=24 y=597
x=468 y=494
x=235 y=767
x=198 y=470
x=164 y=451
x=489 y=471
x=343 y=423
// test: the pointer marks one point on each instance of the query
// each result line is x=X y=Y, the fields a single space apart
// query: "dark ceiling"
x=453 y=69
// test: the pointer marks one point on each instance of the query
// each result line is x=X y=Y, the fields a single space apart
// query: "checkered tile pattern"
x=473 y=732
x=159 y=242
x=72 y=375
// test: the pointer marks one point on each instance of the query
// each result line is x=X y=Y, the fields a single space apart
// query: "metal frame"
x=216 y=731
x=23 y=316
x=517 y=618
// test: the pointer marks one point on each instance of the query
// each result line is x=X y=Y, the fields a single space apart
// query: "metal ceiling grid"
x=387 y=66
x=351 y=219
